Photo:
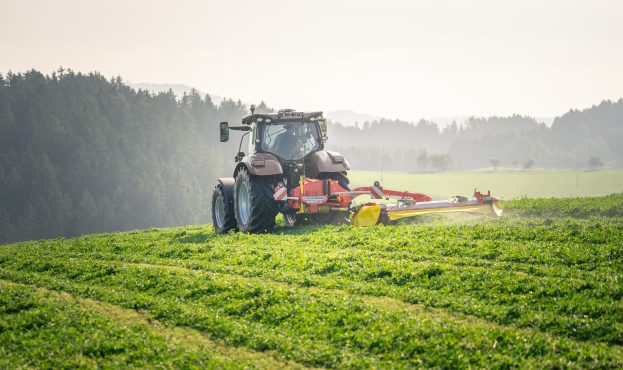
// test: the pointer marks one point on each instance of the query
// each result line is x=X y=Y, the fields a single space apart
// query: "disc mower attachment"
x=372 y=213
x=313 y=196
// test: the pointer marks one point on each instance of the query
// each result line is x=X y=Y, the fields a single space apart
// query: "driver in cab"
x=288 y=141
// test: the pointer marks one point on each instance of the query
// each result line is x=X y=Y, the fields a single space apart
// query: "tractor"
x=287 y=170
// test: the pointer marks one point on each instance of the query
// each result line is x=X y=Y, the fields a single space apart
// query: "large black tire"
x=254 y=205
x=223 y=218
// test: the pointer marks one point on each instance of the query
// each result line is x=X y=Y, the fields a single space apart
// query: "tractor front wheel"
x=223 y=218
x=254 y=205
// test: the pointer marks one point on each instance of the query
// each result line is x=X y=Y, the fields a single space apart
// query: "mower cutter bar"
x=396 y=212
x=373 y=213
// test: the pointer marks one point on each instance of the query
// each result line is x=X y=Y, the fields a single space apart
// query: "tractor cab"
x=289 y=140
x=288 y=135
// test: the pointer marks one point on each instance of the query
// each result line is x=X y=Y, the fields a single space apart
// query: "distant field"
x=537 y=288
x=507 y=184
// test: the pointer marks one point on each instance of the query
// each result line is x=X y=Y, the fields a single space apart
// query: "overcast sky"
x=397 y=59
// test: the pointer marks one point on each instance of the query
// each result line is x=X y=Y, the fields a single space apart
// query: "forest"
x=82 y=153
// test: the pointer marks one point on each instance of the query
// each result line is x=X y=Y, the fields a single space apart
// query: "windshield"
x=290 y=140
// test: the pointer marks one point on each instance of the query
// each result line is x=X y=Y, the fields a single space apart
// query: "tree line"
x=583 y=138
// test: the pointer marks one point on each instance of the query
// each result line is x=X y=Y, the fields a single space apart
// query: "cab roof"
x=289 y=115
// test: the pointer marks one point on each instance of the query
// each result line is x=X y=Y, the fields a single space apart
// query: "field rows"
x=89 y=333
x=520 y=291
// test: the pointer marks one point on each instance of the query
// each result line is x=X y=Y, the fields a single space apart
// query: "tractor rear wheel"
x=223 y=218
x=254 y=205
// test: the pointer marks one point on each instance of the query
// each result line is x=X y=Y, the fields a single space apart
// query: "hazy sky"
x=406 y=59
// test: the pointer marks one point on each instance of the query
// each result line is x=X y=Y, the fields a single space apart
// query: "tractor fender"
x=227 y=184
x=326 y=161
x=260 y=164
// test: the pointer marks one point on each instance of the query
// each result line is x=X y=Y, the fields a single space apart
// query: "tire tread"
x=263 y=206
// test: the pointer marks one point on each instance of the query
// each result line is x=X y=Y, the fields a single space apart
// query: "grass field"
x=507 y=184
x=541 y=287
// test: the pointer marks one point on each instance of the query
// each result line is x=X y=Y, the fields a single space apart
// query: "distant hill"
x=447 y=121
x=345 y=117
x=178 y=89
x=349 y=117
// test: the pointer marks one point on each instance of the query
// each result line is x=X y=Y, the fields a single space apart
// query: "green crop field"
x=507 y=184
x=541 y=287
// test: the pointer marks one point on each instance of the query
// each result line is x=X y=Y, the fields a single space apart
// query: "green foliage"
x=48 y=331
x=609 y=206
x=531 y=289
x=45 y=329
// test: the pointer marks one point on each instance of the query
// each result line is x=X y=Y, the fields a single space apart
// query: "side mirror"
x=224 y=129
x=323 y=129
